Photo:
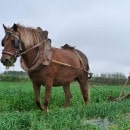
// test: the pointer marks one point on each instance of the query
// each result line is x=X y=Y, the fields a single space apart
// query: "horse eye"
x=13 y=41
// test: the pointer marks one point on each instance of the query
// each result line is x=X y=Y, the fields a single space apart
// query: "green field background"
x=18 y=110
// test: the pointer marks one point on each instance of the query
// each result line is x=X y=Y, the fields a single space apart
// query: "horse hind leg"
x=68 y=95
x=84 y=87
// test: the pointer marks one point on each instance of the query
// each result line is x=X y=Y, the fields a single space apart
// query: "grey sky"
x=99 y=28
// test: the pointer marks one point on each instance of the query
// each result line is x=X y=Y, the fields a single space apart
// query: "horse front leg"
x=36 y=88
x=48 y=87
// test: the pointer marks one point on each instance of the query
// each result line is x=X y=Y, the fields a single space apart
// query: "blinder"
x=16 y=43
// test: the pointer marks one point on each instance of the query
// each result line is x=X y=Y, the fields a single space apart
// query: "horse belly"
x=65 y=76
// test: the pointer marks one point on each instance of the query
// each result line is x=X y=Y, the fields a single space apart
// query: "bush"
x=14 y=76
x=109 y=79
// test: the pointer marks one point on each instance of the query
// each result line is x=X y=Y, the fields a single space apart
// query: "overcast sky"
x=99 y=28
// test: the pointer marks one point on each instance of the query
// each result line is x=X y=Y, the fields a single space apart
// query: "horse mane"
x=29 y=36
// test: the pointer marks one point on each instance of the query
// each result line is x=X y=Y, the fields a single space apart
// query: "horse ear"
x=15 y=27
x=45 y=34
x=5 y=28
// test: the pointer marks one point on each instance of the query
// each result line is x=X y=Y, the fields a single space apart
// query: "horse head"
x=12 y=45
x=19 y=40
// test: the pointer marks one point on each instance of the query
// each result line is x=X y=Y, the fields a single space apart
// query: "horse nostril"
x=4 y=61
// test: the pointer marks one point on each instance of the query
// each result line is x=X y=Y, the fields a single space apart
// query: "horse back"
x=67 y=56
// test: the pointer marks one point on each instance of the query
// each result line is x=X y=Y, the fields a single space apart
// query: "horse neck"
x=29 y=57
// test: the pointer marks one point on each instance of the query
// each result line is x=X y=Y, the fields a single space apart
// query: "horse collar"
x=42 y=58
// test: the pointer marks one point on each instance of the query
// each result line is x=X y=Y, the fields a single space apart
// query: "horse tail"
x=89 y=72
x=84 y=61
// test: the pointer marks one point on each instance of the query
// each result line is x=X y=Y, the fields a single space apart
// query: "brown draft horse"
x=45 y=65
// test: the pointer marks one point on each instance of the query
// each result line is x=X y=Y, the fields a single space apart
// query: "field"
x=18 y=110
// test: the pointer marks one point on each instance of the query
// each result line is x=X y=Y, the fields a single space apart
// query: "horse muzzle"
x=8 y=61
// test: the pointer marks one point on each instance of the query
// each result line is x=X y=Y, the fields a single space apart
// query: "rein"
x=26 y=51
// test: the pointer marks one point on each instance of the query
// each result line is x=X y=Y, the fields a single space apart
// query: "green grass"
x=18 y=110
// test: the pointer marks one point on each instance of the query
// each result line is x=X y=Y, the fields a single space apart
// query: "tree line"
x=104 y=78
x=109 y=79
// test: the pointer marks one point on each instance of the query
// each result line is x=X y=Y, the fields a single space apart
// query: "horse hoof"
x=46 y=110
x=65 y=106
